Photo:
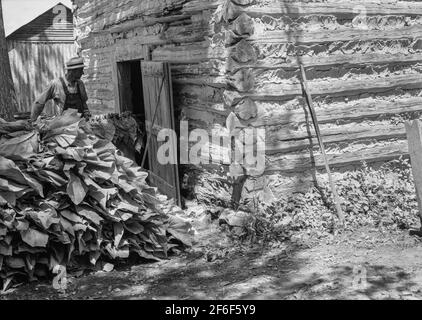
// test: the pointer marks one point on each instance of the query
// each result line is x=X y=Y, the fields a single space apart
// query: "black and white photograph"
x=221 y=151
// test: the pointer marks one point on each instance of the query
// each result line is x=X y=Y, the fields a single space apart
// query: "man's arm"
x=84 y=96
x=36 y=110
x=39 y=103
x=86 y=109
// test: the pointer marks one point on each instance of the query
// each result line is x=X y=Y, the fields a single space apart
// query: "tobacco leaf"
x=6 y=249
x=45 y=218
x=89 y=213
x=21 y=147
x=34 y=238
x=10 y=171
x=15 y=262
x=118 y=233
x=133 y=227
x=180 y=229
x=76 y=189
x=71 y=216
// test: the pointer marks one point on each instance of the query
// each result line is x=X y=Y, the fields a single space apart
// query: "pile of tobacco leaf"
x=68 y=197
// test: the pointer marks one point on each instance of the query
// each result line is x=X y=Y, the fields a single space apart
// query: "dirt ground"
x=365 y=264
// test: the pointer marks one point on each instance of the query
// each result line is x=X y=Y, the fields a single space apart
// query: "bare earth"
x=365 y=264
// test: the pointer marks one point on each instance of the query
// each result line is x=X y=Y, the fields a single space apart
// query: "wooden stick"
x=414 y=139
x=309 y=100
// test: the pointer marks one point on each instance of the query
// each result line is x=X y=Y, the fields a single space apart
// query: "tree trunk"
x=8 y=102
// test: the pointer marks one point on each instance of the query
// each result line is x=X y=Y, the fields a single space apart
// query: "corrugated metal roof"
x=54 y=25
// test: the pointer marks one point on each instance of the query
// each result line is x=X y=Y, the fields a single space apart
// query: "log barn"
x=38 y=50
x=363 y=61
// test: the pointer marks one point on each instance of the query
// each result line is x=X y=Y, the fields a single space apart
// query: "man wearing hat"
x=67 y=92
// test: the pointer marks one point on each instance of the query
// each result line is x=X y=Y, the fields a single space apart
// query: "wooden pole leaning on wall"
x=414 y=139
x=310 y=103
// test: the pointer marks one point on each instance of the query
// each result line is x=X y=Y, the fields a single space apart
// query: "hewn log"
x=341 y=9
x=326 y=36
x=344 y=60
x=289 y=90
x=243 y=55
x=297 y=163
x=365 y=110
x=286 y=120
x=194 y=33
x=337 y=87
x=291 y=142
x=147 y=21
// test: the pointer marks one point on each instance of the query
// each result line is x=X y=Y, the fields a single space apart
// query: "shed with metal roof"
x=38 y=51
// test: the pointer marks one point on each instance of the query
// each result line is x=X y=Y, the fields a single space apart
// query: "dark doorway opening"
x=145 y=90
x=132 y=100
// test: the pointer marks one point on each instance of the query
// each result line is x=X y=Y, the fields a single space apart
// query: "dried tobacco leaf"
x=34 y=238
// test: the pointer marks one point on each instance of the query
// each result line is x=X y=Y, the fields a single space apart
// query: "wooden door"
x=158 y=99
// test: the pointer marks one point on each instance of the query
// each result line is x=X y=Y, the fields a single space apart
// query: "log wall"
x=363 y=61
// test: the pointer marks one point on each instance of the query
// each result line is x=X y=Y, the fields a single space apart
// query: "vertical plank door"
x=159 y=94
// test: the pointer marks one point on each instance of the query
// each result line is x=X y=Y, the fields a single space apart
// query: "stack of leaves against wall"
x=69 y=198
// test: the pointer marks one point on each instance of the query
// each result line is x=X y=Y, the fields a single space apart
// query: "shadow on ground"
x=363 y=265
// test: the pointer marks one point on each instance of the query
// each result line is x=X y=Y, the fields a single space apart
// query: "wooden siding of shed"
x=243 y=56
x=38 y=52
x=34 y=66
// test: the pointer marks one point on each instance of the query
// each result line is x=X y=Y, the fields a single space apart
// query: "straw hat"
x=75 y=63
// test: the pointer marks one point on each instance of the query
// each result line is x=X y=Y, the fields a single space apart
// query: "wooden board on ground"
x=414 y=137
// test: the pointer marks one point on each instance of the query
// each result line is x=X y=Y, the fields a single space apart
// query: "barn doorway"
x=132 y=100
x=145 y=89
